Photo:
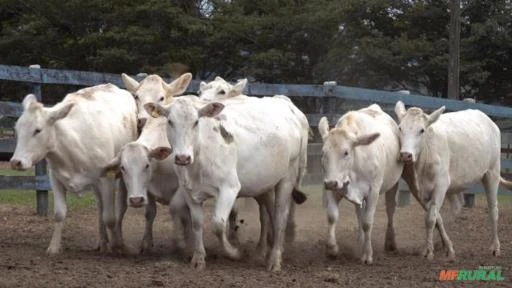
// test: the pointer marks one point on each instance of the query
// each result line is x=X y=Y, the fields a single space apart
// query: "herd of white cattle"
x=145 y=145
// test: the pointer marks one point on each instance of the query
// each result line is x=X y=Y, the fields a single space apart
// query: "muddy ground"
x=25 y=236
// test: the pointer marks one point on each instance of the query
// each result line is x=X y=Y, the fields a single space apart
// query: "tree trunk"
x=454 y=42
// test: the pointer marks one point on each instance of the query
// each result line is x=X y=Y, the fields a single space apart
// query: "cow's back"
x=269 y=138
x=103 y=119
x=469 y=142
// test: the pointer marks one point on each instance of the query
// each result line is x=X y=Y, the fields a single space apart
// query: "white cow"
x=224 y=92
x=359 y=157
x=78 y=137
x=252 y=148
x=448 y=153
x=153 y=89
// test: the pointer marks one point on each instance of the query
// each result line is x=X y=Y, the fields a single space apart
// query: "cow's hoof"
x=53 y=251
x=274 y=262
x=495 y=248
x=233 y=254
x=366 y=260
x=430 y=256
x=145 y=248
x=198 y=261
x=390 y=246
x=451 y=256
x=289 y=236
x=119 y=249
x=332 y=251
x=102 y=247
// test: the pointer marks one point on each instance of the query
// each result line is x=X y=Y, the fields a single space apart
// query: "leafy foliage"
x=382 y=44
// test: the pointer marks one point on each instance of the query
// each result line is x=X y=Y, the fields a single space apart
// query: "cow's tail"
x=507 y=184
x=298 y=196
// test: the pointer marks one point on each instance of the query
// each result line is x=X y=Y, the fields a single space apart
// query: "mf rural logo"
x=483 y=273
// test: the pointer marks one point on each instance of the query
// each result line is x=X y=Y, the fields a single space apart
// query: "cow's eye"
x=161 y=99
x=147 y=166
x=222 y=92
x=170 y=123
x=122 y=168
x=346 y=153
x=195 y=123
x=422 y=131
x=37 y=131
x=136 y=97
x=400 y=129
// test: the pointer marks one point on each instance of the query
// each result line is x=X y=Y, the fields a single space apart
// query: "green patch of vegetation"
x=28 y=198
x=10 y=172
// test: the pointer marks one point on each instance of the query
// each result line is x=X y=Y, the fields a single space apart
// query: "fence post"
x=41 y=195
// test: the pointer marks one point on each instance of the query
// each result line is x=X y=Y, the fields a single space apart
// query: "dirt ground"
x=25 y=236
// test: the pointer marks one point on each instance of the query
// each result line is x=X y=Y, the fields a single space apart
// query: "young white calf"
x=359 y=157
x=149 y=176
x=449 y=153
x=78 y=137
x=213 y=162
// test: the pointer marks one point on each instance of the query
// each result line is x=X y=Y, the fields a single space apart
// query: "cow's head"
x=220 y=89
x=338 y=155
x=35 y=131
x=133 y=162
x=183 y=117
x=413 y=125
x=153 y=89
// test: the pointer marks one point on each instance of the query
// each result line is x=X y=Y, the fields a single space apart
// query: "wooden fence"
x=327 y=99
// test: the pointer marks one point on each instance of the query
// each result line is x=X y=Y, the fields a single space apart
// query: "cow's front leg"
x=433 y=216
x=331 y=201
x=150 y=214
x=197 y=219
x=60 y=210
x=225 y=201
x=367 y=225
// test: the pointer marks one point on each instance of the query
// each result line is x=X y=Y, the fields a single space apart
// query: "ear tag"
x=155 y=114
x=111 y=174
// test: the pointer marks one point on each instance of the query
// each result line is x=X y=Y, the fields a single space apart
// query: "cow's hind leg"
x=60 y=209
x=491 y=182
x=390 y=242
x=105 y=189
x=331 y=201
x=290 y=226
x=266 y=206
x=232 y=225
x=282 y=206
x=120 y=210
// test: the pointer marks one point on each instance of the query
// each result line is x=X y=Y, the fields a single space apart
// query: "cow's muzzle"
x=182 y=159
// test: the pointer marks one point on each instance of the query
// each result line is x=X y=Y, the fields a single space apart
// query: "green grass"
x=28 y=197
x=10 y=172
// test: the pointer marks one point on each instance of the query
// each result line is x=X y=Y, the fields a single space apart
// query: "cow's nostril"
x=346 y=183
x=329 y=185
x=182 y=159
x=136 y=200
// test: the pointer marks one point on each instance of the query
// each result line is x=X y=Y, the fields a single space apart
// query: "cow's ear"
x=28 y=101
x=131 y=84
x=238 y=88
x=366 y=139
x=210 y=110
x=435 y=115
x=178 y=86
x=202 y=85
x=400 y=110
x=156 y=110
x=111 y=170
x=160 y=153
x=59 y=112
x=323 y=127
